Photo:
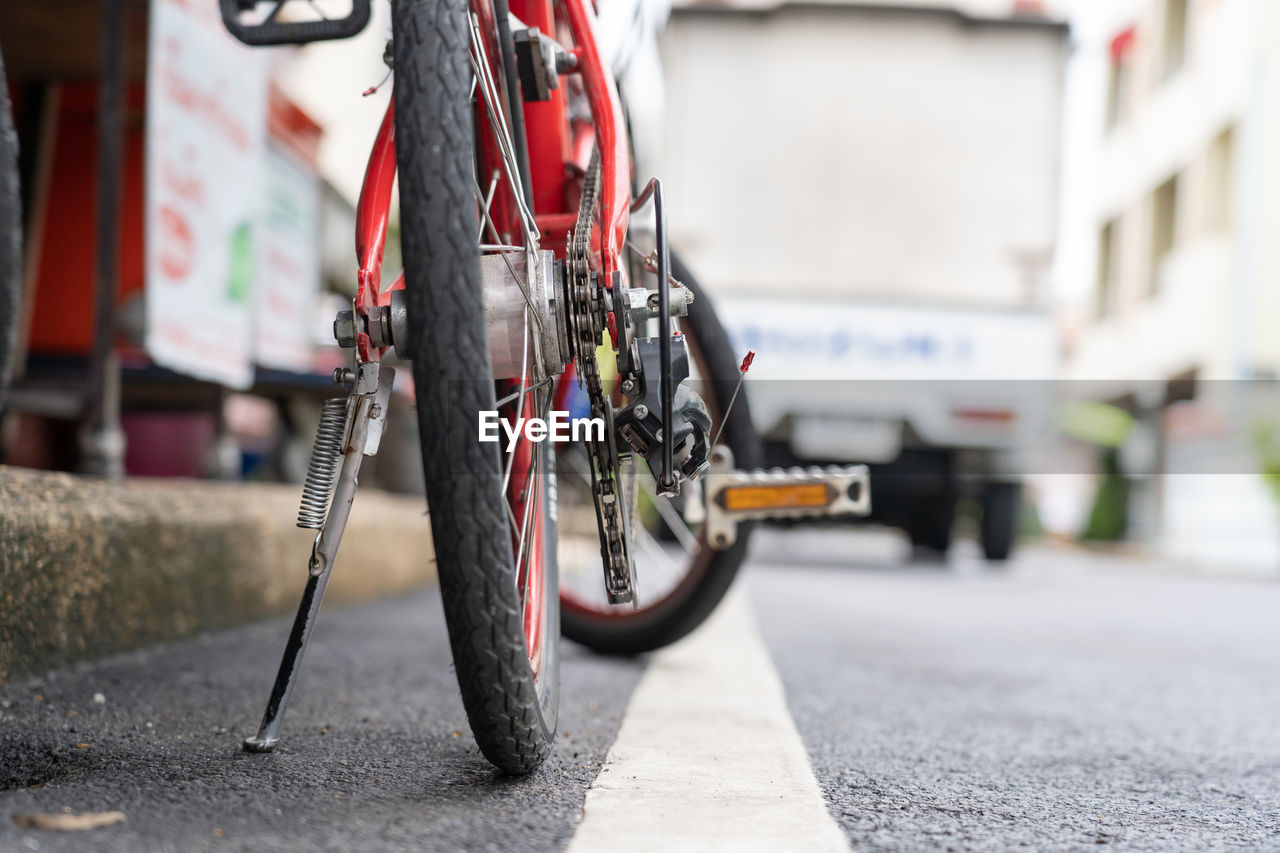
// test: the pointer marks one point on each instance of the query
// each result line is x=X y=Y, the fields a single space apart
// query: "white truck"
x=943 y=404
x=869 y=192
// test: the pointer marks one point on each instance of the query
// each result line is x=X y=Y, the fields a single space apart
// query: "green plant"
x=1109 y=515
x=1266 y=441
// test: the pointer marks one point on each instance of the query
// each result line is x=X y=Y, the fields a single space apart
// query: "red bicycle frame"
x=557 y=154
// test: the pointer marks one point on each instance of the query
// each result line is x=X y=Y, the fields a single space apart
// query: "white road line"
x=707 y=757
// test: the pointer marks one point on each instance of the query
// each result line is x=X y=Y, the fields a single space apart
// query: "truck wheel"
x=929 y=526
x=1000 y=502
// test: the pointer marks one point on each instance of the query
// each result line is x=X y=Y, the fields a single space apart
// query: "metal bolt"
x=658 y=436
x=375 y=411
x=642 y=411
x=378 y=320
x=565 y=61
x=343 y=376
x=628 y=386
x=344 y=329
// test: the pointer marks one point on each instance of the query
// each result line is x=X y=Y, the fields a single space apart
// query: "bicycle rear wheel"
x=492 y=513
x=679 y=578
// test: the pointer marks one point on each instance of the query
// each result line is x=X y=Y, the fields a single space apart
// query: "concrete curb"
x=90 y=568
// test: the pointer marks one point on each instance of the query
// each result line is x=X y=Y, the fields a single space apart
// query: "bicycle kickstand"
x=350 y=428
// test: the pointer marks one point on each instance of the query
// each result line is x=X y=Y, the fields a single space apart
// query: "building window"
x=1105 y=285
x=1174 y=46
x=1118 y=77
x=1117 y=80
x=1220 y=192
x=1164 y=215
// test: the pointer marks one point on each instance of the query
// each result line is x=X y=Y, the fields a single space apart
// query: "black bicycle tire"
x=513 y=724
x=686 y=608
x=10 y=239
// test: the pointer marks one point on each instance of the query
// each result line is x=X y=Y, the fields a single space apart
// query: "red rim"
x=600 y=610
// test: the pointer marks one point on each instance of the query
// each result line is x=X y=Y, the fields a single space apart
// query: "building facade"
x=1183 y=194
x=1177 y=277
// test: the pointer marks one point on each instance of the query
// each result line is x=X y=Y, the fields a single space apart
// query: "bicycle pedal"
x=734 y=496
x=268 y=31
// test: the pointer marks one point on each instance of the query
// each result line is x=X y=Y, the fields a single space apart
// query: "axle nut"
x=344 y=329
x=378 y=319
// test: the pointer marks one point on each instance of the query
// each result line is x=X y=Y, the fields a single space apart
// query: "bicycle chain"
x=588 y=319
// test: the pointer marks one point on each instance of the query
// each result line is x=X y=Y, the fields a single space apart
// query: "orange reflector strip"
x=776 y=497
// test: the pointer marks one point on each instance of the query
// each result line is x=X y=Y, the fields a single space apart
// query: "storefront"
x=176 y=352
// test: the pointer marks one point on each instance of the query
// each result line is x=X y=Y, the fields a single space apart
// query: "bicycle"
x=506 y=133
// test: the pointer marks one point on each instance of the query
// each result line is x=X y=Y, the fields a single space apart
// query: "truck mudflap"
x=733 y=496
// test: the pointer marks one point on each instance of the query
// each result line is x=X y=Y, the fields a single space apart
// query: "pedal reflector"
x=754 y=497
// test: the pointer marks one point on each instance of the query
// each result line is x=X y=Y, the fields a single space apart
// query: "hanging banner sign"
x=206 y=142
x=288 y=263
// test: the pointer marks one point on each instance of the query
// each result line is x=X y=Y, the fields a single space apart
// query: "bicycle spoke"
x=531 y=495
x=657 y=555
x=488 y=90
x=673 y=519
x=537 y=386
x=530 y=492
x=487 y=201
x=489 y=96
x=524 y=366
x=540 y=412
x=520 y=282
x=524 y=529
x=525 y=540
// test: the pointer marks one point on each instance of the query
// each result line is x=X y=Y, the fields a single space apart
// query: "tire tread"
x=435 y=145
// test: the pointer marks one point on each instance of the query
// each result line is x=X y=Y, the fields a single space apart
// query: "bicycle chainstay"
x=588 y=318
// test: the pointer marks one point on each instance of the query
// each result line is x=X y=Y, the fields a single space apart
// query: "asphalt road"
x=375 y=753
x=1064 y=703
